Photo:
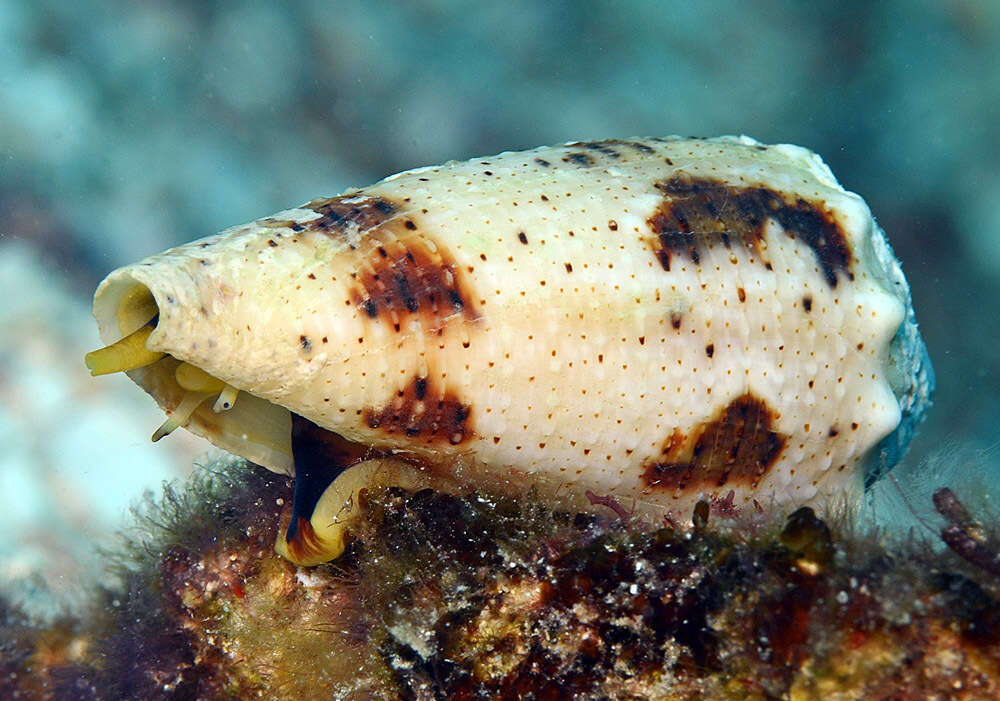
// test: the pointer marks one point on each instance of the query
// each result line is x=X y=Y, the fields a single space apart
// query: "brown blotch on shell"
x=401 y=271
x=345 y=212
x=636 y=145
x=423 y=411
x=695 y=210
x=412 y=276
x=579 y=158
x=613 y=147
x=605 y=147
x=738 y=446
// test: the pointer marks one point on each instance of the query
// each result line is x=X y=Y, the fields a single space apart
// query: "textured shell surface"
x=657 y=319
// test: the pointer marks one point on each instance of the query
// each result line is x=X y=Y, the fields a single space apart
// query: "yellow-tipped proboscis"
x=127 y=354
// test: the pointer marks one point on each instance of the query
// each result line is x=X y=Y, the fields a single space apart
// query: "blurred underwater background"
x=129 y=127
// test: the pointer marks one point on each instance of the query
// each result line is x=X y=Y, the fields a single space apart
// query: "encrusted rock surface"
x=442 y=596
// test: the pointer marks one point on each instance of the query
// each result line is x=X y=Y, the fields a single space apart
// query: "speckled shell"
x=658 y=319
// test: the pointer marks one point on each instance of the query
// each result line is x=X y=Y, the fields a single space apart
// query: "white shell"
x=517 y=312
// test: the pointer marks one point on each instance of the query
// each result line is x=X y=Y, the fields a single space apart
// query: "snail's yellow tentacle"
x=127 y=354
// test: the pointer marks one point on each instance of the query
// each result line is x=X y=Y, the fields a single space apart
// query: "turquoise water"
x=129 y=127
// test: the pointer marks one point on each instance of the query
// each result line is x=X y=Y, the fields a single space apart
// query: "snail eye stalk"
x=227 y=397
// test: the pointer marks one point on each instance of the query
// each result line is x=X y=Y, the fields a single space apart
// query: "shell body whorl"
x=656 y=319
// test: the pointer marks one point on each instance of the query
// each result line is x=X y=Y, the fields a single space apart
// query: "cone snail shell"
x=659 y=319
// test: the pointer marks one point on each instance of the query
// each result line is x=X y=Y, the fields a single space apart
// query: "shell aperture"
x=659 y=319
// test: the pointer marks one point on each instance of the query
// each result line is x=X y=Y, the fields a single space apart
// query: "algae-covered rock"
x=477 y=596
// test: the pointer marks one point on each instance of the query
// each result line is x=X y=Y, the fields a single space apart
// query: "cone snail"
x=660 y=320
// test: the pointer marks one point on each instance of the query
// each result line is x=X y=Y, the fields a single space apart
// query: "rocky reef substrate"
x=480 y=596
